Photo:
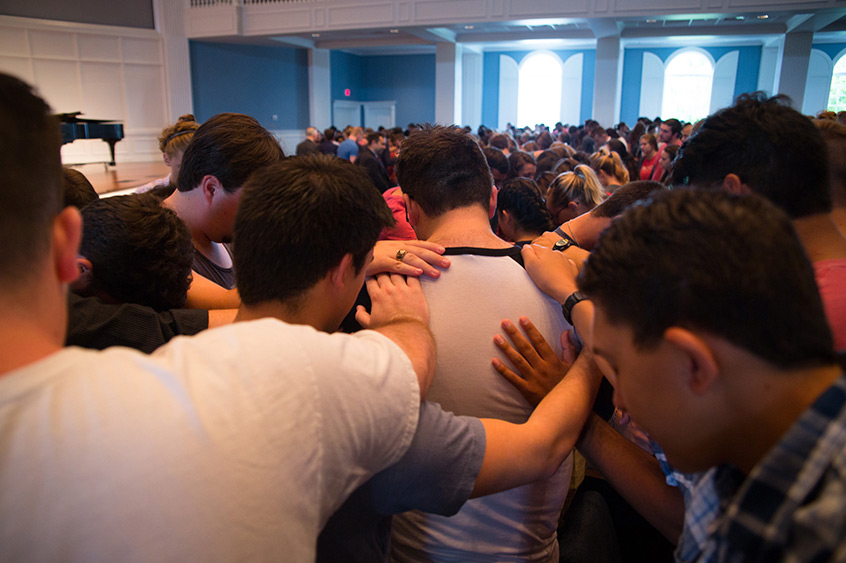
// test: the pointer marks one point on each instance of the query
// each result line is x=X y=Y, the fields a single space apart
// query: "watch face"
x=562 y=244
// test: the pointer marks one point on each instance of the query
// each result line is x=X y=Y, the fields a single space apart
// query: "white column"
x=319 y=89
x=767 y=71
x=606 y=83
x=447 y=83
x=471 y=88
x=795 y=58
x=170 y=23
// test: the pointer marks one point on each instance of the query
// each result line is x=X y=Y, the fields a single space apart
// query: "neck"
x=820 y=237
x=304 y=310
x=33 y=324
x=464 y=226
x=187 y=206
x=586 y=229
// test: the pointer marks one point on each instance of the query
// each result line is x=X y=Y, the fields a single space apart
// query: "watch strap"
x=567 y=307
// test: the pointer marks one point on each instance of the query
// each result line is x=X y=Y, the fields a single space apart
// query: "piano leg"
x=112 y=143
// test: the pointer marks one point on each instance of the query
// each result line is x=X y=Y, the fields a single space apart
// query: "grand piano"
x=75 y=127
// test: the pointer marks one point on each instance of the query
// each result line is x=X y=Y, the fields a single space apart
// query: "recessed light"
x=739 y=18
x=315 y=35
x=394 y=31
x=468 y=27
x=763 y=17
x=651 y=21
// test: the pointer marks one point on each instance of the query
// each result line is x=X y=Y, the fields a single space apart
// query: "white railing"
x=205 y=3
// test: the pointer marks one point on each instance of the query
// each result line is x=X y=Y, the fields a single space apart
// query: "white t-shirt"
x=235 y=444
x=466 y=306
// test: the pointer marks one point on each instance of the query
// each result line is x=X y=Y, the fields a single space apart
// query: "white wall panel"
x=818 y=85
x=571 y=90
x=102 y=95
x=13 y=41
x=105 y=72
x=509 y=78
x=52 y=44
x=725 y=77
x=145 y=103
x=58 y=82
x=17 y=66
x=98 y=47
x=651 y=86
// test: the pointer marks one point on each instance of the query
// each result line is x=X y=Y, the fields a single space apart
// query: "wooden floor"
x=124 y=176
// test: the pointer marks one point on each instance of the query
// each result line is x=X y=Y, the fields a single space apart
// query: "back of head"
x=297 y=219
x=658 y=266
x=581 y=185
x=175 y=138
x=373 y=137
x=496 y=160
x=611 y=165
x=31 y=193
x=517 y=160
x=499 y=141
x=229 y=146
x=78 y=191
x=772 y=148
x=443 y=168
x=522 y=199
x=140 y=251
x=625 y=196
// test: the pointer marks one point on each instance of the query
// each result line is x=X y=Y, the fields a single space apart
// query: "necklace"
x=570 y=228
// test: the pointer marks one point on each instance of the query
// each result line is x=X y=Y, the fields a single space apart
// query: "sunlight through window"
x=687 y=87
x=837 y=94
x=539 y=90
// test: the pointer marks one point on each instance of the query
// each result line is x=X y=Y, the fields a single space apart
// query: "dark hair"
x=297 y=219
x=496 y=160
x=140 y=251
x=518 y=159
x=499 y=141
x=625 y=196
x=772 y=148
x=78 y=191
x=229 y=146
x=675 y=126
x=522 y=199
x=443 y=168
x=31 y=193
x=373 y=137
x=658 y=266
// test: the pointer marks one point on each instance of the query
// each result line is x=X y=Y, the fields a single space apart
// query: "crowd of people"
x=549 y=344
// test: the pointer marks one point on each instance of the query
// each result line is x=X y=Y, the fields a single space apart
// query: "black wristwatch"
x=567 y=307
x=563 y=244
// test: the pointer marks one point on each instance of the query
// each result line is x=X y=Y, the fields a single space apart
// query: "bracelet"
x=567 y=307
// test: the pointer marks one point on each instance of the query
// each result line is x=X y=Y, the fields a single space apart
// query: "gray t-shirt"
x=435 y=475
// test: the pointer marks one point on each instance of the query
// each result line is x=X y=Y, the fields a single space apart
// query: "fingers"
x=537 y=340
x=513 y=378
x=420 y=265
x=362 y=316
x=568 y=347
x=425 y=245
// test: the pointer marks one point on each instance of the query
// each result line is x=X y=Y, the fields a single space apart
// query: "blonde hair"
x=581 y=185
x=612 y=165
x=176 y=137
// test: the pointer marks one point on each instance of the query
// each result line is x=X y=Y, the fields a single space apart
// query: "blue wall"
x=490 y=79
x=256 y=80
x=407 y=79
x=748 y=64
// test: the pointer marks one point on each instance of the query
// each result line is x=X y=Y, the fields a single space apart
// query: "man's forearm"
x=415 y=339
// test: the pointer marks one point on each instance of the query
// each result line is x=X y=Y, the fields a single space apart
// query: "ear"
x=340 y=275
x=412 y=210
x=703 y=368
x=211 y=187
x=492 y=205
x=574 y=207
x=733 y=185
x=166 y=158
x=67 y=234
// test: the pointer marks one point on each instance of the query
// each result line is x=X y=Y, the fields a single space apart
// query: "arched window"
x=539 y=90
x=837 y=94
x=688 y=78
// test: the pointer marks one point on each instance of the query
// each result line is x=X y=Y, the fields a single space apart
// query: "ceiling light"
x=315 y=35
x=394 y=31
x=763 y=17
x=651 y=21
x=468 y=27
x=739 y=18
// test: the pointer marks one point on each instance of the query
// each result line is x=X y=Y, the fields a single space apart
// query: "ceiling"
x=762 y=28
